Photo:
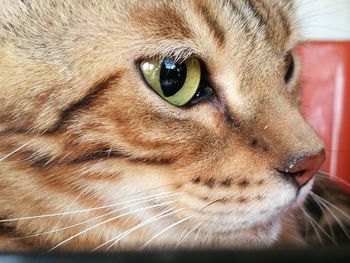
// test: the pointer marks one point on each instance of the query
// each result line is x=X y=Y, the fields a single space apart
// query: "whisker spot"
x=227 y=182
x=196 y=180
x=242 y=200
x=243 y=183
x=210 y=183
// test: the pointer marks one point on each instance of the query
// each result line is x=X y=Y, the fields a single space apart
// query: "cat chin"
x=265 y=235
x=261 y=236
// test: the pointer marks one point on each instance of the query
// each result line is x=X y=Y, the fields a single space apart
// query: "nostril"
x=295 y=174
x=302 y=170
x=299 y=174
x=300 y=177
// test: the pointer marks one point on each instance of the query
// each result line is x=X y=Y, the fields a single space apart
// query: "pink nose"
x=304 y=169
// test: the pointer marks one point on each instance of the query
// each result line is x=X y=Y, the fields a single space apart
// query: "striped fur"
x=79 y=129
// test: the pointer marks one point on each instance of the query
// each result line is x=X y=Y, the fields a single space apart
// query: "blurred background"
x=325 y=58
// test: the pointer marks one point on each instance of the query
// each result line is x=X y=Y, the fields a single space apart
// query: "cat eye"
x=179 y=83
x=290 y=67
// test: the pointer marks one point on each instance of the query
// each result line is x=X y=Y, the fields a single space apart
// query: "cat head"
x=95 y=90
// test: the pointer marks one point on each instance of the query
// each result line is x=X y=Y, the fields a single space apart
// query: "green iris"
x=177 y=83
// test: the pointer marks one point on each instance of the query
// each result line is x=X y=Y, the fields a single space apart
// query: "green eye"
x=177 y=83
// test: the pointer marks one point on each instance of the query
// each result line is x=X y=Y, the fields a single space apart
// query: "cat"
x=130 y=125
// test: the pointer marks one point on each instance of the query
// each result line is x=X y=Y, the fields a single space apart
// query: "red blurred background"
x=326 y=102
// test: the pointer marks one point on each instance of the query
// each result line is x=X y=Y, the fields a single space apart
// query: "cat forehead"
x=222 y=22
x=152 y=27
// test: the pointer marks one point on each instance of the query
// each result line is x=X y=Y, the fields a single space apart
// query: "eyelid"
x=181 y=53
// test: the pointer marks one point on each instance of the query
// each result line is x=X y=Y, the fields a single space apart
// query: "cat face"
x=89 y=126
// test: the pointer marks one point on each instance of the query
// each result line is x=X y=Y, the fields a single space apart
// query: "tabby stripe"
x=107 y=153
x=236 y=11
x=256 y=13
x=12 y=234
x=6 y=230
x=285 y=22
x=95 y=92
x=46 y=161
x=229 y=119
x=213 y=24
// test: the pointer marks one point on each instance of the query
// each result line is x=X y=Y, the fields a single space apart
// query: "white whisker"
x=330 y=204
x=307 y=216
x=183 y=233
x=342 y=226
x=83 y=210
x=92 y=219
x=164 y=230
x=173 y=225
x=321 y=228
x=106 y=221
x=196 y=237
x=116 y=239
x=325 y=216
x=324 y=175
x=69 y=207
x=187 y=235
x=16 y=150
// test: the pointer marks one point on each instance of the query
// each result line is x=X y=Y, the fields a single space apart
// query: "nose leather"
x=304 y=169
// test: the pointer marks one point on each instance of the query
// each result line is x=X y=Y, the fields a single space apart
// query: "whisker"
x=69 y=207
x=330 y=177
x=81 y=211
x=164 y=230
x=187 y=235
x=342 y=226
x=148 y=221
x=106 y=221
x=325 y=216
x=183 y=233
x=196 y=237
x=14 y=151
x=307 y=216
x=173 y=225
x=92 y=219
x=320 y=227
x=330 y=204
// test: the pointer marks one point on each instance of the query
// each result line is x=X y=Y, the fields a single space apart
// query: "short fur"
x=80 y=129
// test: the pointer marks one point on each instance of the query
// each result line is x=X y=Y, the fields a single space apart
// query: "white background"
x=324 y=19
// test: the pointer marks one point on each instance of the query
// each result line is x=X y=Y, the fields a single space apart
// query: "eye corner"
x=289 y=66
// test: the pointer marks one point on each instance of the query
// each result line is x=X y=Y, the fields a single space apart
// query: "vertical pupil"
x=172 y=77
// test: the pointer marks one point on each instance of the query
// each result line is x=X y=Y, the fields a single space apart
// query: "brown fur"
x=94 y=134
